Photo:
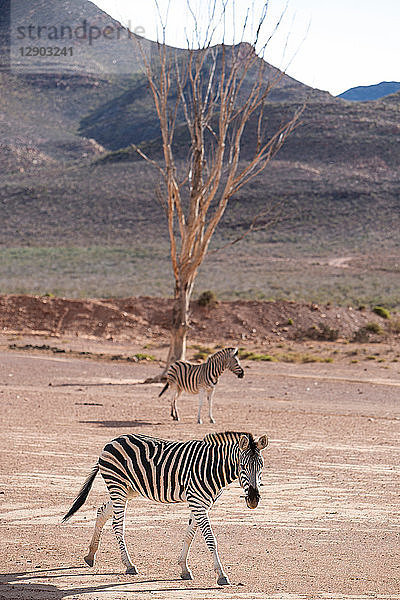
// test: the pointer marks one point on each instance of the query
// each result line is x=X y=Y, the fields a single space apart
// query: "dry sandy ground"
x=328 y=523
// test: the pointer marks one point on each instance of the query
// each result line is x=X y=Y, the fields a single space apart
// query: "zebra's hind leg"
x=174 y=407
x=189 y=535
x=199 y=409
x=103 y=514
x=210 y=394
x=119 y=504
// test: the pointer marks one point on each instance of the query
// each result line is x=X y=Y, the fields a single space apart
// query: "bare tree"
x=217 y=91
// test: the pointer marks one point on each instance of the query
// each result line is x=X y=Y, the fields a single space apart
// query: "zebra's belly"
x=154 y=488
x=197 y=389
x=160 y=493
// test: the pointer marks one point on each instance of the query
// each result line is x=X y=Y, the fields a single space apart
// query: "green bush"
x=381 y=311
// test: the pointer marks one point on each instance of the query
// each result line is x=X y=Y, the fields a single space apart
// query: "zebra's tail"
x=166 y=386
x=83 y=494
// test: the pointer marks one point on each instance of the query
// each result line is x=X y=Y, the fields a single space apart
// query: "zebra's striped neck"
x=227 y=447
x=217 y=362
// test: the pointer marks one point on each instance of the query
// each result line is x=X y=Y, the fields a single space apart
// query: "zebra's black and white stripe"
x=187 y=377
x=164 y=471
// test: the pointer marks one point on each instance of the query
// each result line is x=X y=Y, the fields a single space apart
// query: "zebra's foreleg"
x=119 y=504
x=189 y=535
x=201 y=516
x=210 y=394
x=103 y=514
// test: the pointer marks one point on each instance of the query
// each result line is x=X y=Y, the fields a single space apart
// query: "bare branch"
x=149 y=160
x=251 y=228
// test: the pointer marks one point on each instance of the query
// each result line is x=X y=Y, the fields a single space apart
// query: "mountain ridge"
x=366 y=93
x=44 y=106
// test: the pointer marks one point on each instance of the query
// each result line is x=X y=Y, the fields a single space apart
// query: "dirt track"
x=328 y=523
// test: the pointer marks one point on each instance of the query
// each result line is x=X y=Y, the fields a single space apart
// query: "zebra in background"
x=186 y=377
x=165 y=471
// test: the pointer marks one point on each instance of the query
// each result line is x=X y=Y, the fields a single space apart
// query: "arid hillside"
x=148 y=319
x=80 y=214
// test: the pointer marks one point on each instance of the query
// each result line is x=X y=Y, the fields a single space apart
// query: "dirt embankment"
x=144 y=318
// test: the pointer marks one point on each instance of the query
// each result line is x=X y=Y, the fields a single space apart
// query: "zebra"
x=185 y=376
x=194 y=471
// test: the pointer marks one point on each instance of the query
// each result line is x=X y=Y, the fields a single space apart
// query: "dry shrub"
x=320 y=332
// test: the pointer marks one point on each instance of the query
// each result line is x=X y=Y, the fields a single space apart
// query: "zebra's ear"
x=244 y=443
x=262 y=442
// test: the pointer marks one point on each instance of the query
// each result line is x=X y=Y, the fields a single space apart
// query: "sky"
x=329 y=45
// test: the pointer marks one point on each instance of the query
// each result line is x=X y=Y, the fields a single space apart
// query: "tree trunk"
x=179 y=329
x=180 y=323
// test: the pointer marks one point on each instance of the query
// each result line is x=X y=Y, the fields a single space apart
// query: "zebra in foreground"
x=165 y=471
x=187 y=377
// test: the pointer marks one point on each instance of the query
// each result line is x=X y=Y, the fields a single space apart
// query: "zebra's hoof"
x=212 y=420
x=131 y=570
x=89 y=560
x=223 y=580
x=187 y=576
x=199 y=422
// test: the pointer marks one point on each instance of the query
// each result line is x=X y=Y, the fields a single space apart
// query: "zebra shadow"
x=128 y=424
x=29 y=591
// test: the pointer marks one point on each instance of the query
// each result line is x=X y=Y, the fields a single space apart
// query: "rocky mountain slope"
x=68 y=178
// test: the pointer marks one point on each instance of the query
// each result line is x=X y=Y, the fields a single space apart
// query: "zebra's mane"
x=223 y=350
x=227 y=437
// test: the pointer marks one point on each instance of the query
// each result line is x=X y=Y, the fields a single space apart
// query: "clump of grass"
x=206 y=349
x=207 y=299
x=290 y=322
x=290 y=357
x=248 y=355
x=299 y=357
x=363 y=334
x=203 y=352
x=381 y=312
x=200 y=356
x=142 y=356
x=373 y=327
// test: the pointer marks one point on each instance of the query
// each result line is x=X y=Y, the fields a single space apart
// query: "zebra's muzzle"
x=252 y=498
x=241 y=374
